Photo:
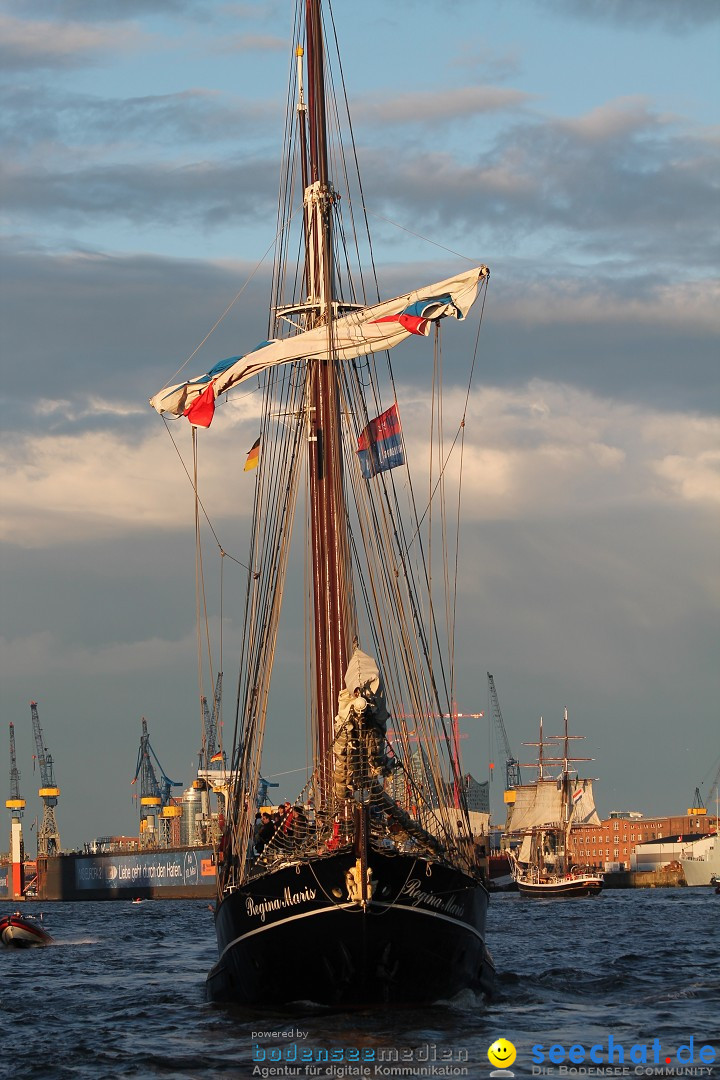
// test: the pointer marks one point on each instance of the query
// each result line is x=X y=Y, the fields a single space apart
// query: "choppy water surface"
x=120 y=994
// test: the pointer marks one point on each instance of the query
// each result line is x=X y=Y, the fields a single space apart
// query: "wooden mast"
x=328 y=523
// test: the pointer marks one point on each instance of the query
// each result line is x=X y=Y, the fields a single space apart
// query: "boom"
x=152 y=793
x=14 y=803
x=48 y=835
x=512 y=766
x=211 y=720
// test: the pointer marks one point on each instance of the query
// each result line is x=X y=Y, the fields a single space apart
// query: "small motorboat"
x=22 y=931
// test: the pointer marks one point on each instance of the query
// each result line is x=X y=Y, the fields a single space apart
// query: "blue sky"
x=573 y=148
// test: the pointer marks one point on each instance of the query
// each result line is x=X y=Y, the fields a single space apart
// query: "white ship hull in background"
x=703 y=866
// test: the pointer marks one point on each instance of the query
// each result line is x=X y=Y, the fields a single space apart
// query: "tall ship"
x=545 y=819
x=371 y=889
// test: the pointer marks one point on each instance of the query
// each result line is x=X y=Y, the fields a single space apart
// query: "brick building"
x=615 y=839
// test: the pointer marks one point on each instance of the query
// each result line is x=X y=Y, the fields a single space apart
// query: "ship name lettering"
x=418 y=896
x=288 y=899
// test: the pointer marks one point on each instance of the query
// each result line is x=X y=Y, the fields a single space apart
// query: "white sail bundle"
x=362 y=717
x=368 y=330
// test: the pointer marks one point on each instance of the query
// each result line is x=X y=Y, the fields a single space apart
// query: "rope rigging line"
x=461 y=425
x=193 y=485
x=229 y=307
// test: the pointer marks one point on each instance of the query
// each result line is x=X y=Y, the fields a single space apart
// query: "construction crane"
x=154 y=794
x=48 y=839
x=15 y=805
x=698 y=807
x=512 y=766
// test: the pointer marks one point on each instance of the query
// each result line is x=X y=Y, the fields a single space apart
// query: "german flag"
x=253 y=456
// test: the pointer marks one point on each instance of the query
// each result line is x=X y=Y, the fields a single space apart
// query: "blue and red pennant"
x=380 y=444
x=416 y=317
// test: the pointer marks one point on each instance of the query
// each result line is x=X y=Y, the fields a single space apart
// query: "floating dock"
x=170 y=873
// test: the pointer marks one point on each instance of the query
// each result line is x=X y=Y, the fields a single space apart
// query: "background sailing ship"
x=372 y=889
x=544 y=816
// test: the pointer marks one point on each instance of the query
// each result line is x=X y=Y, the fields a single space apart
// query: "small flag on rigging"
x=577 y=794
x=217 y=757
x=380 y=444
x=253 y=456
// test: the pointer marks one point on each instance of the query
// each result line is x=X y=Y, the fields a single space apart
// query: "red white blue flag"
x=380 y=444
x=577 y=794
x=416 y=317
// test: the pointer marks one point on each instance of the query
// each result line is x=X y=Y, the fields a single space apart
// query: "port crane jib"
x=211 y=720
x=15 y=803
x=512 y=765
x=48 y=839
x=154 y=794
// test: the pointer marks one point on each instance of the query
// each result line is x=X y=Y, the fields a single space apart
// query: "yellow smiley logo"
x=502 y=1053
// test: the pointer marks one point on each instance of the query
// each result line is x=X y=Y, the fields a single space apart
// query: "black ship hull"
x=579 y=886
x=295 y=934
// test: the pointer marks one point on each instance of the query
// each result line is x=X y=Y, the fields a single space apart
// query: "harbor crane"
x=262 y=795
x=48 y=838
x=211 y=718
x=512 y=765
x=698 y=806
x=16 y=805
x=154 y=794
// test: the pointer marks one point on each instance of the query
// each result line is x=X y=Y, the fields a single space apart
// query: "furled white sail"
x=537 y=804
x=367 y=330
x=361 y=718
x=584 y=812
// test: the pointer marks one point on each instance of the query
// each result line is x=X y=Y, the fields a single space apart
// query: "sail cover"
x=368 y=330
x=537 y=804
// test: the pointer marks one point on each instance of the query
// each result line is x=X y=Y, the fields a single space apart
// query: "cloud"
x=620 y=182
x=108 y=10
x=22 y=657
x=99 y=483
x=531 y=451
x=73 y=128
x=692 y=478
x=252 y=43
x=536 y=450
x=673 y=16
x=35 y=44
x=166 y=192
x=436 y=107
